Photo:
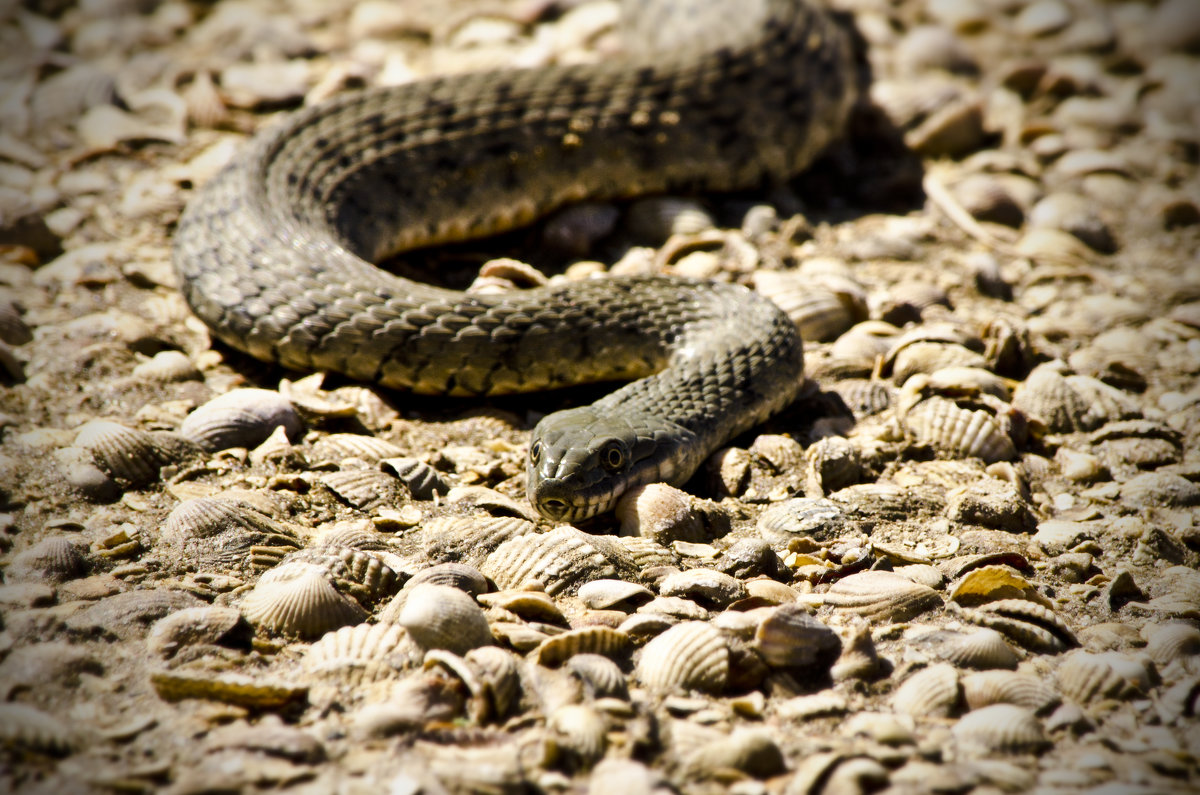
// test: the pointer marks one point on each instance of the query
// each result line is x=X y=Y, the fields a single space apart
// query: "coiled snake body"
x=274 y=253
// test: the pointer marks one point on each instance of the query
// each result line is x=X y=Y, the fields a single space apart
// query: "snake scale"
x=274 y=253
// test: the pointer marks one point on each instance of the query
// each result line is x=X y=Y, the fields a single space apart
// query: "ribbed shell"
x=456 y=575
x=882 y=596
x=194 y=626
x=360 y=653
x=932 y=692
x=1048 y=397
x=620 y=594
x=441 y=617
x=1084 y=676
x=133 y=457
x=359 y=573
x=364 y=489
x=339 y=446
x=23 y=726
x=469 y=539
x=601 y=677
x=218 y=531
x=557 y=649
x=984 y=688
x=1166 y=643
x=981 y=649
x=689 y=656
x=241 y=418
x=1027 y=624
x=53 y=559
x=560 y=560
x=1000 y=728
x=299 y=600
x=421 y=479
x=959 y=432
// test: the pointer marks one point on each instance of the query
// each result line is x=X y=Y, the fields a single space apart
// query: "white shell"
x=691 y=655
x=958 y=432
x=1084 y=676
x=882 y=595
x=984 y=688
x=358 y=654
x=241 y=418
x=300 y=600
x=1000 y=728
x=1166 y=643
x=338 y=446
x=25 y=726
x=442 y=617
x=469 y=539
x=560 y=560
x=932 y=692
x=220 y=531
x=981 y=649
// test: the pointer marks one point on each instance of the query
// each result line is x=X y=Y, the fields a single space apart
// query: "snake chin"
x=581 y=461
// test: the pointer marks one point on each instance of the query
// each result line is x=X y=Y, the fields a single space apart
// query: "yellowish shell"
x=932 y=692
x=689 y=656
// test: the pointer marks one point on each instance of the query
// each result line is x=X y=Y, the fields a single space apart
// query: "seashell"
x=167 y=367
x=985 y=688
x=646 y=553
x=1047 y=396
x=238 y=690
x=557 y=649
x=363 y=574
x=441 y=617
x=197 y=626
x=131 y=456
x=958 y=432
x=470 y=538
x=456 y=575
x=800 y=518
x=1085 y=677
x=932 y=692
x=1000 y=728
x=422 y=480
x=155 y=114
x=609 y=594
x=882 y=595
x=981 y=649
x=489 y=501
x=992 y=583
x=1108 y=402
x=299 y=600
x=361 y=653
x=530 y=605
x=729 y=469
x=1175 y=640
x=217 y=531
x=923 y=573
x=576 y=736
x=865 y=397
x=782 y=454
x=54 y=559
x=560 y=560
x=690 y=656
x=63 y=97
x=601 y=677
x=968 y=381
x=988 y=198
x=339 y=446
x=23 y=726
x=789 y=637
x=1026 y=623
x=364 y=489
x=663 y=513
x=833 y=464
x=770 y=592
x=707 y=587
x=241 y=418
x=204 y=105
x=13 y=328
x=348 y=534
x=822 y=311
x=654 y=219
x=497 y=670
x=751 y=752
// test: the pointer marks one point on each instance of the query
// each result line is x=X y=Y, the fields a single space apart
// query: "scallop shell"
x=354 y=536
x=691 y=655
x=1048 y=397
x=1166 y=643
x=441 y=617
x=499 y=672
x=1000 y=728
x=131 y=456
x=576 y=736
x=782 y=454
x=932 y=692
x=54 y=559
x=803 y=517
x=24 y=726
x=791 y=638
x=360 y=653
x=882 y=595
x=981 y=649
x=241 y=418
x=470 y=538
x=197 y=626
x=984 y=688
x=360 y=573
x=1027 y=624
x=299 y=600
x=422 y=480
x=456 y=575
x=958 y=432
x=1084 y=676
x=339 y=446
x=601 y=677
x=557 y=649
x=619 y=594
x=821 y=310
x=364 y=489
x=217 y=531
x=560 y=560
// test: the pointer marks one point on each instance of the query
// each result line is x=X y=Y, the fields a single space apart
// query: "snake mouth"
x=556 y=500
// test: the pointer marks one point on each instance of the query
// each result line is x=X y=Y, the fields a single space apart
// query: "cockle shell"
x=241 y=418
x=1048 y=397
x=791 y=638
x=560 y=560
x=983 y=688
x=980 y=649
x=800 y=518
x=197 y=626
x=663 y=513
x=1000 y=728
x=958 y=432
x=865 y=397
x=1084 y=676
x=422 y=480
x=299 y=599
x=441 y=617
x=609 y=594
x=362 y=574
x=456 y=575
x=364 y=489
x=1166 y=643
x=469 y=539
x=601 y=677
x=361 y=653
x=882 y=595
x=53 y=559
x=691 y=656
x=337 y=447
x=576 y=735
x=1028 y=624
x=167 y=367
x=932 y=692
x=218 y=531
x=132 y=456
x=707 y=587
x=821 y=309
x=23 y=726
x=557 y=649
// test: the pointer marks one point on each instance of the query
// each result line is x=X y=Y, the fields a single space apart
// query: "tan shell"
x=340 y=446
x=882 y=595
x=560 y=560
x=691 y=656
x=661 y=512
x=992 y=583
x=932 y=692
x=299 y=599
x=360 y=653
x=364 y=489
x=799 y=518
x=928 y=356
x=983 y=688
x=441 y=617
x=1000 y=728
x=865 y=397
x=1084 y=676
x=167 y=367
x=576 y=735
x=352 y=535
x=456 y=575
x=362 y=574
x=601 y=677
x=557 y=649
x=1166 y=643
x=422 y=480
x=821 y=311
x=646 y=553
x=205 y=107
x=608 y=594
x=789 y=637
x=131 y=456
x=23 y=726
x=469 y=539
x=241 y=418
x=1028 y=624
x=498 y=670
x=218 y=531
x=527 y=604
x=782 y=454
x=64 y=96
x=924 y=573
x=195 y=626
x=958 y=432
x=1047 y=396
x=707 y=587
x=54 y=559
x=981 y=649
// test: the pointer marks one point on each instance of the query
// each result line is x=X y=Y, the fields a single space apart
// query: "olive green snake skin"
x=274 y=253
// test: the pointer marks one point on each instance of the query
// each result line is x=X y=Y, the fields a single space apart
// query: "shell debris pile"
x=968 y=559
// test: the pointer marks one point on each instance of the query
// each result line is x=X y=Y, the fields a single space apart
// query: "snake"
x=276 y=252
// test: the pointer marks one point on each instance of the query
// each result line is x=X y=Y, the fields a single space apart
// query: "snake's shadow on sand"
x=869 y=170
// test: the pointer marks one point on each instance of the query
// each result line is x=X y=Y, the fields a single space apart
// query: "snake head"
x=582 y=460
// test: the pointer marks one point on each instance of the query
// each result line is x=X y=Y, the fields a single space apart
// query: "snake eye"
x=612 y=456
x=535 y=453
